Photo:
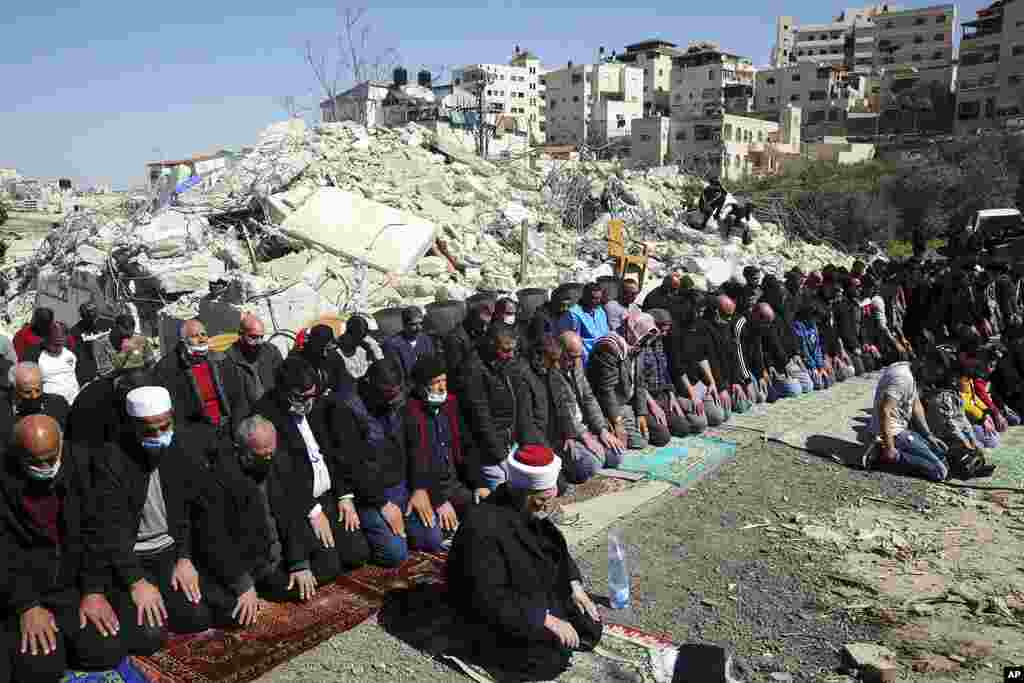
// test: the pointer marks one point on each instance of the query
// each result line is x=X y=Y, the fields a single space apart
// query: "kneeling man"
x=512 y=575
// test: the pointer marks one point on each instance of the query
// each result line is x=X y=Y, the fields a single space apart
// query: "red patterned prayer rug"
x=285 y=630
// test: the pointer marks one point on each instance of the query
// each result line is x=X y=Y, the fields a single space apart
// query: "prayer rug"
x=126 y=672
x=829 y=422
x=597 y=485
x=683 y=462
x=624 y=654
x=1008 y=459
x=285 y=630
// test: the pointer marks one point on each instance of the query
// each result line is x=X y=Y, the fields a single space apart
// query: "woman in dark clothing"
x=318 y=351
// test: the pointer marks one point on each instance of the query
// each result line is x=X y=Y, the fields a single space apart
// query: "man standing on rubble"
x=712 y=199
x=410 y=344
x=255 y=360
x=204 y=389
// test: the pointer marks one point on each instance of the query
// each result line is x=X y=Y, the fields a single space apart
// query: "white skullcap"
x=148 y=401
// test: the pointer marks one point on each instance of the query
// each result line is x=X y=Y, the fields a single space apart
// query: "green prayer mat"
x=683 y=461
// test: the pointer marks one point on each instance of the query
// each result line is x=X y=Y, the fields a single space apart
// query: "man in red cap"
x=513 y=579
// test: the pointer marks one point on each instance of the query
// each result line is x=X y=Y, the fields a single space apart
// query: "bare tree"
x=353 y=62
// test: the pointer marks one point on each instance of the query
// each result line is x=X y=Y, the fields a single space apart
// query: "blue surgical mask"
x=43 y=473
x=162 y=441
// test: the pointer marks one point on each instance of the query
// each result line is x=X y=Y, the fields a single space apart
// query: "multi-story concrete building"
x=655 y=58
x=733 y=146
x=361 y=102
x=593 y=103
x=825 y=92
x=818 y=43
x=990 y=88
x=707 y=81
x=515 y=89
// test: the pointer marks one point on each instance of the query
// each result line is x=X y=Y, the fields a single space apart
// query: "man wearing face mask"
x=318 y=350
x=444 y=475
x=98 y=415
x=27 y=398
x=60 y=615
x=368 y=430
x=204 y=388
x=616 y=310
x=410 y=344
x=553 y=318
x=513 y=580
x=310 y=495
x=255 y=360
x=237 y=551
x=462 y=342
x=149 y=489
x=489 y=404
x=616 y=376
x=676 y=415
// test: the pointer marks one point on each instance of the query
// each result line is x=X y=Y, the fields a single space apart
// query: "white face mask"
x=510 y=319
x=437 y=399
x=199 y=350
x=43 y=473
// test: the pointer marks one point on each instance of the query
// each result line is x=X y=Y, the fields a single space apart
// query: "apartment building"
x=733 y=146
x=820 y=42
x=593 y=103
x=990 y=87
x=515 y=89
x=707 y=81
x=825 y=92
x=655 y=58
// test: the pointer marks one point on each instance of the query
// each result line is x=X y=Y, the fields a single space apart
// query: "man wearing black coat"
x=307 y=488
x=57 y=614
x=489 y=401
x=205 y=389
x=255 y=359
x=461 y=343
x=26 y=397
x=513 y=581
x=149 y=490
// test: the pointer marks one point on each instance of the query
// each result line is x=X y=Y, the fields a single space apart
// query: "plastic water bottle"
x=618 y=572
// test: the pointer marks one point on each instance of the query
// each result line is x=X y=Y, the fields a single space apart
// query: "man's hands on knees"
x=38 y=631
x=347 y=514
x=305 y=582
x=186 y=578
x=563 y=631
x=149 y=604
x=95 y=609
x=393 y=516
x=247 y=609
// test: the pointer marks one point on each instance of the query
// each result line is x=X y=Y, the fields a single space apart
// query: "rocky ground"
x=785 y=557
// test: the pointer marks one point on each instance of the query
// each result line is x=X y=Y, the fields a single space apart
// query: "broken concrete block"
x=432 y=266
x=177 y=275
x=170 y=232
x=347 y=225
x=876 y=663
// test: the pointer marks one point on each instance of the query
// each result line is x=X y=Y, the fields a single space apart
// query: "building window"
x=939 y=37
x=919 y=21
x=918 y=40
x=1015 y=79
x=794 y=97
x=770 y=81
x=771 y=100
x=889 y=24
x=681 y=136
x=575 y=98
x=940 y=20
x=817 y=95
x=760 y=136
x=1017 y=50
x=796 y=78
x=577 y=79
x=915 y=58
x=701 y=133
x=937 y=54
x=727 y=132
x=990 y=108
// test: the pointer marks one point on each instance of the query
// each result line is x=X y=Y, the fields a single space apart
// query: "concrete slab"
x=350 y=226
x=597 y=514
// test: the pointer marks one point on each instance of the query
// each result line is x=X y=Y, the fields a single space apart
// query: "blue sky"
x=94 y=89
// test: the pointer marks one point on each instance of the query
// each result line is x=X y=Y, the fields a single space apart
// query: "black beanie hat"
x=427 y=369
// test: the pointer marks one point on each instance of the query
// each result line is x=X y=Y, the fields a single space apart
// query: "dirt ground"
x=762 y=557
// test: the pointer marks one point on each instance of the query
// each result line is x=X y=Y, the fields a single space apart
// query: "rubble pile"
x=313 y=220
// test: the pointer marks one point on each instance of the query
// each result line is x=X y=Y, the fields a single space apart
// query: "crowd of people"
x=141 y=495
